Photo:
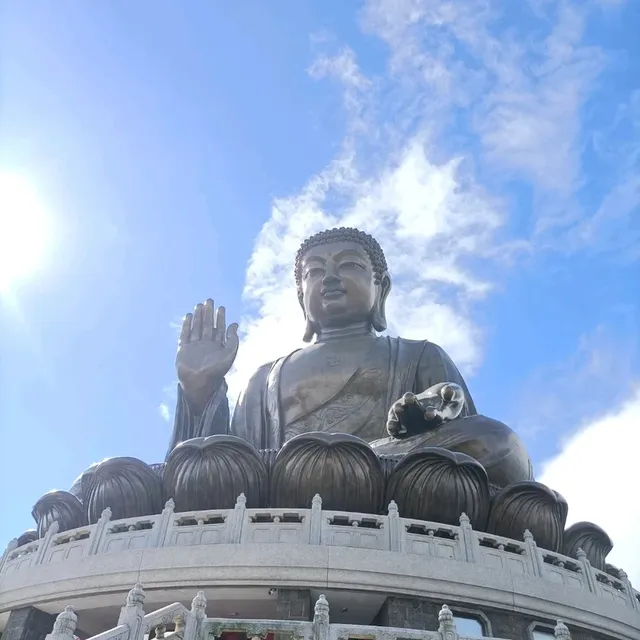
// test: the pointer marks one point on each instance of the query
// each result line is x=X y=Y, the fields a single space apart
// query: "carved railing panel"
x=316 y=526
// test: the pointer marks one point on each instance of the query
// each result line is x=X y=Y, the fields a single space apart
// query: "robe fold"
x=411 y=365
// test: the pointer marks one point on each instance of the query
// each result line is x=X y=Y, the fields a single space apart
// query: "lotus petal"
x=592 y=539
x=128 y=486
x=211 y=472
x=342 y=468
x=438 y=485
x=532 y=506
x=61 y=506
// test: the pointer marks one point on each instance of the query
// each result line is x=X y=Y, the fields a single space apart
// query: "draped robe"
x=389 y=367
x=392 y=366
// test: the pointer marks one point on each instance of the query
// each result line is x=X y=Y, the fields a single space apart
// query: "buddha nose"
x=331 y=278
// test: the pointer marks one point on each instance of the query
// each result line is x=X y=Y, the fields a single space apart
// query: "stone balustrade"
x=192 y=624
x=316 y=526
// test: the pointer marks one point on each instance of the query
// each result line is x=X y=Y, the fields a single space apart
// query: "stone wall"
x=418 y=613
x=28 y=623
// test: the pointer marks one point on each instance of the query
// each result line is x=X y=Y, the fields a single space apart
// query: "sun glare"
x=24 y=230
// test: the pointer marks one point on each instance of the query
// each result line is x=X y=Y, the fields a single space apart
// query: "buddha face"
x=338 y=284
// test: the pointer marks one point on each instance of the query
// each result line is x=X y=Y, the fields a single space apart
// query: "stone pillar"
x=28 y=623
x=294 y=604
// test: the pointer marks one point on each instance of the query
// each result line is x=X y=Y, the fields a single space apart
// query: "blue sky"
x=181 y=151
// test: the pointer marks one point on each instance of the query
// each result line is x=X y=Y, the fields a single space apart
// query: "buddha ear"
x=310 y=328
x=378 y=316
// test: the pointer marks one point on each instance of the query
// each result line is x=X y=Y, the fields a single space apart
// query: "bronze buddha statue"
x=394 y=393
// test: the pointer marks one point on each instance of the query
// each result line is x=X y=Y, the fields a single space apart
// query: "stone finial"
x=54 y=527
x=464 y=519
x=317 y=501
x=321 y=608
x=580 y=554
x=135 y=597
x=445 y=618
x=199 y=606
x=392 y=509
x=65 y=624
x=528 y=536
x=561 y=631
x=169 y=506
x=241 y=500
x=106 y=514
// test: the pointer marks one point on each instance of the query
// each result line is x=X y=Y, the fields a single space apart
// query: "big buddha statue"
x=355 y=419
x=394 y=393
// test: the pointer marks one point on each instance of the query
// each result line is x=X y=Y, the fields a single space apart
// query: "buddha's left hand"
x=415 y=413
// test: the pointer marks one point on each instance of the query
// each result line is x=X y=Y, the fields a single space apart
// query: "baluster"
x=321 y=627
x=45 y=543
x=235 y=521
x=561 y=632
x=315 y=525
x=64 y=627
x=533 y=551
x=97 y=535
x=162 y=525
x=7 y=552
x=447 y=627
x=588 y=571
x=628 y=588
x=132 y=614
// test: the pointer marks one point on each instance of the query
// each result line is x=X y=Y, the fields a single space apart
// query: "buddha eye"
x=314 y=271
x=351 y=265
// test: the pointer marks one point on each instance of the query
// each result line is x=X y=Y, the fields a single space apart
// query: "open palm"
x=206 y=350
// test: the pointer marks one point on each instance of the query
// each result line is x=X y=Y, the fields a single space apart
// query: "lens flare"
x=24 y=230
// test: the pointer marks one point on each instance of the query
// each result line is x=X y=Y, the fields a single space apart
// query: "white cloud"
x=164 y=412
x=596 y=471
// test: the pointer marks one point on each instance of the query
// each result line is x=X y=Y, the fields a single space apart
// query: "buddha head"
x=342 y=280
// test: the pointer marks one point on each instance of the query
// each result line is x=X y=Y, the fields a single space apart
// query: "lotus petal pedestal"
x=61 y=506
x=342 y=468
x=533 y=506
x=210 y=473
x=592 y=539
x=438 y=485
x=128 y=486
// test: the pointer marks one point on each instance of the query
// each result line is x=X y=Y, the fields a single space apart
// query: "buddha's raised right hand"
x=206 y=352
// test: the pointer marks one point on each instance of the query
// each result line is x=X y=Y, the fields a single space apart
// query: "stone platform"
x=244 y=560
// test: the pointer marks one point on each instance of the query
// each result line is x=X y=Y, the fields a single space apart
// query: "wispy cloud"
x=463 y=96
x=164 y=412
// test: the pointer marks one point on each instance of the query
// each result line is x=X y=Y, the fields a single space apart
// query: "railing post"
x=97 y=535
x=13 y=544
x=537 y=563
x=468 y=540
x=235 y=521
x=561 y=632
x=64 y=627
x=315 y=524
x=628 y=587
x=132 y=614
x=396 y=528
x=193 y=626
x=162 y=525
x=321 y=629
x=45 y=543
x=588 y=571
x=447 y=627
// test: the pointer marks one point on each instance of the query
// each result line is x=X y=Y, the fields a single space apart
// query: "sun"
x=24 y=230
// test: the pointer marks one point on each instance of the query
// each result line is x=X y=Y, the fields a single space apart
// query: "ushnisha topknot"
x=343 y=234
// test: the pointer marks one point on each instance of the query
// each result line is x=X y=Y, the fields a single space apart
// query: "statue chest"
x=340 y=382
